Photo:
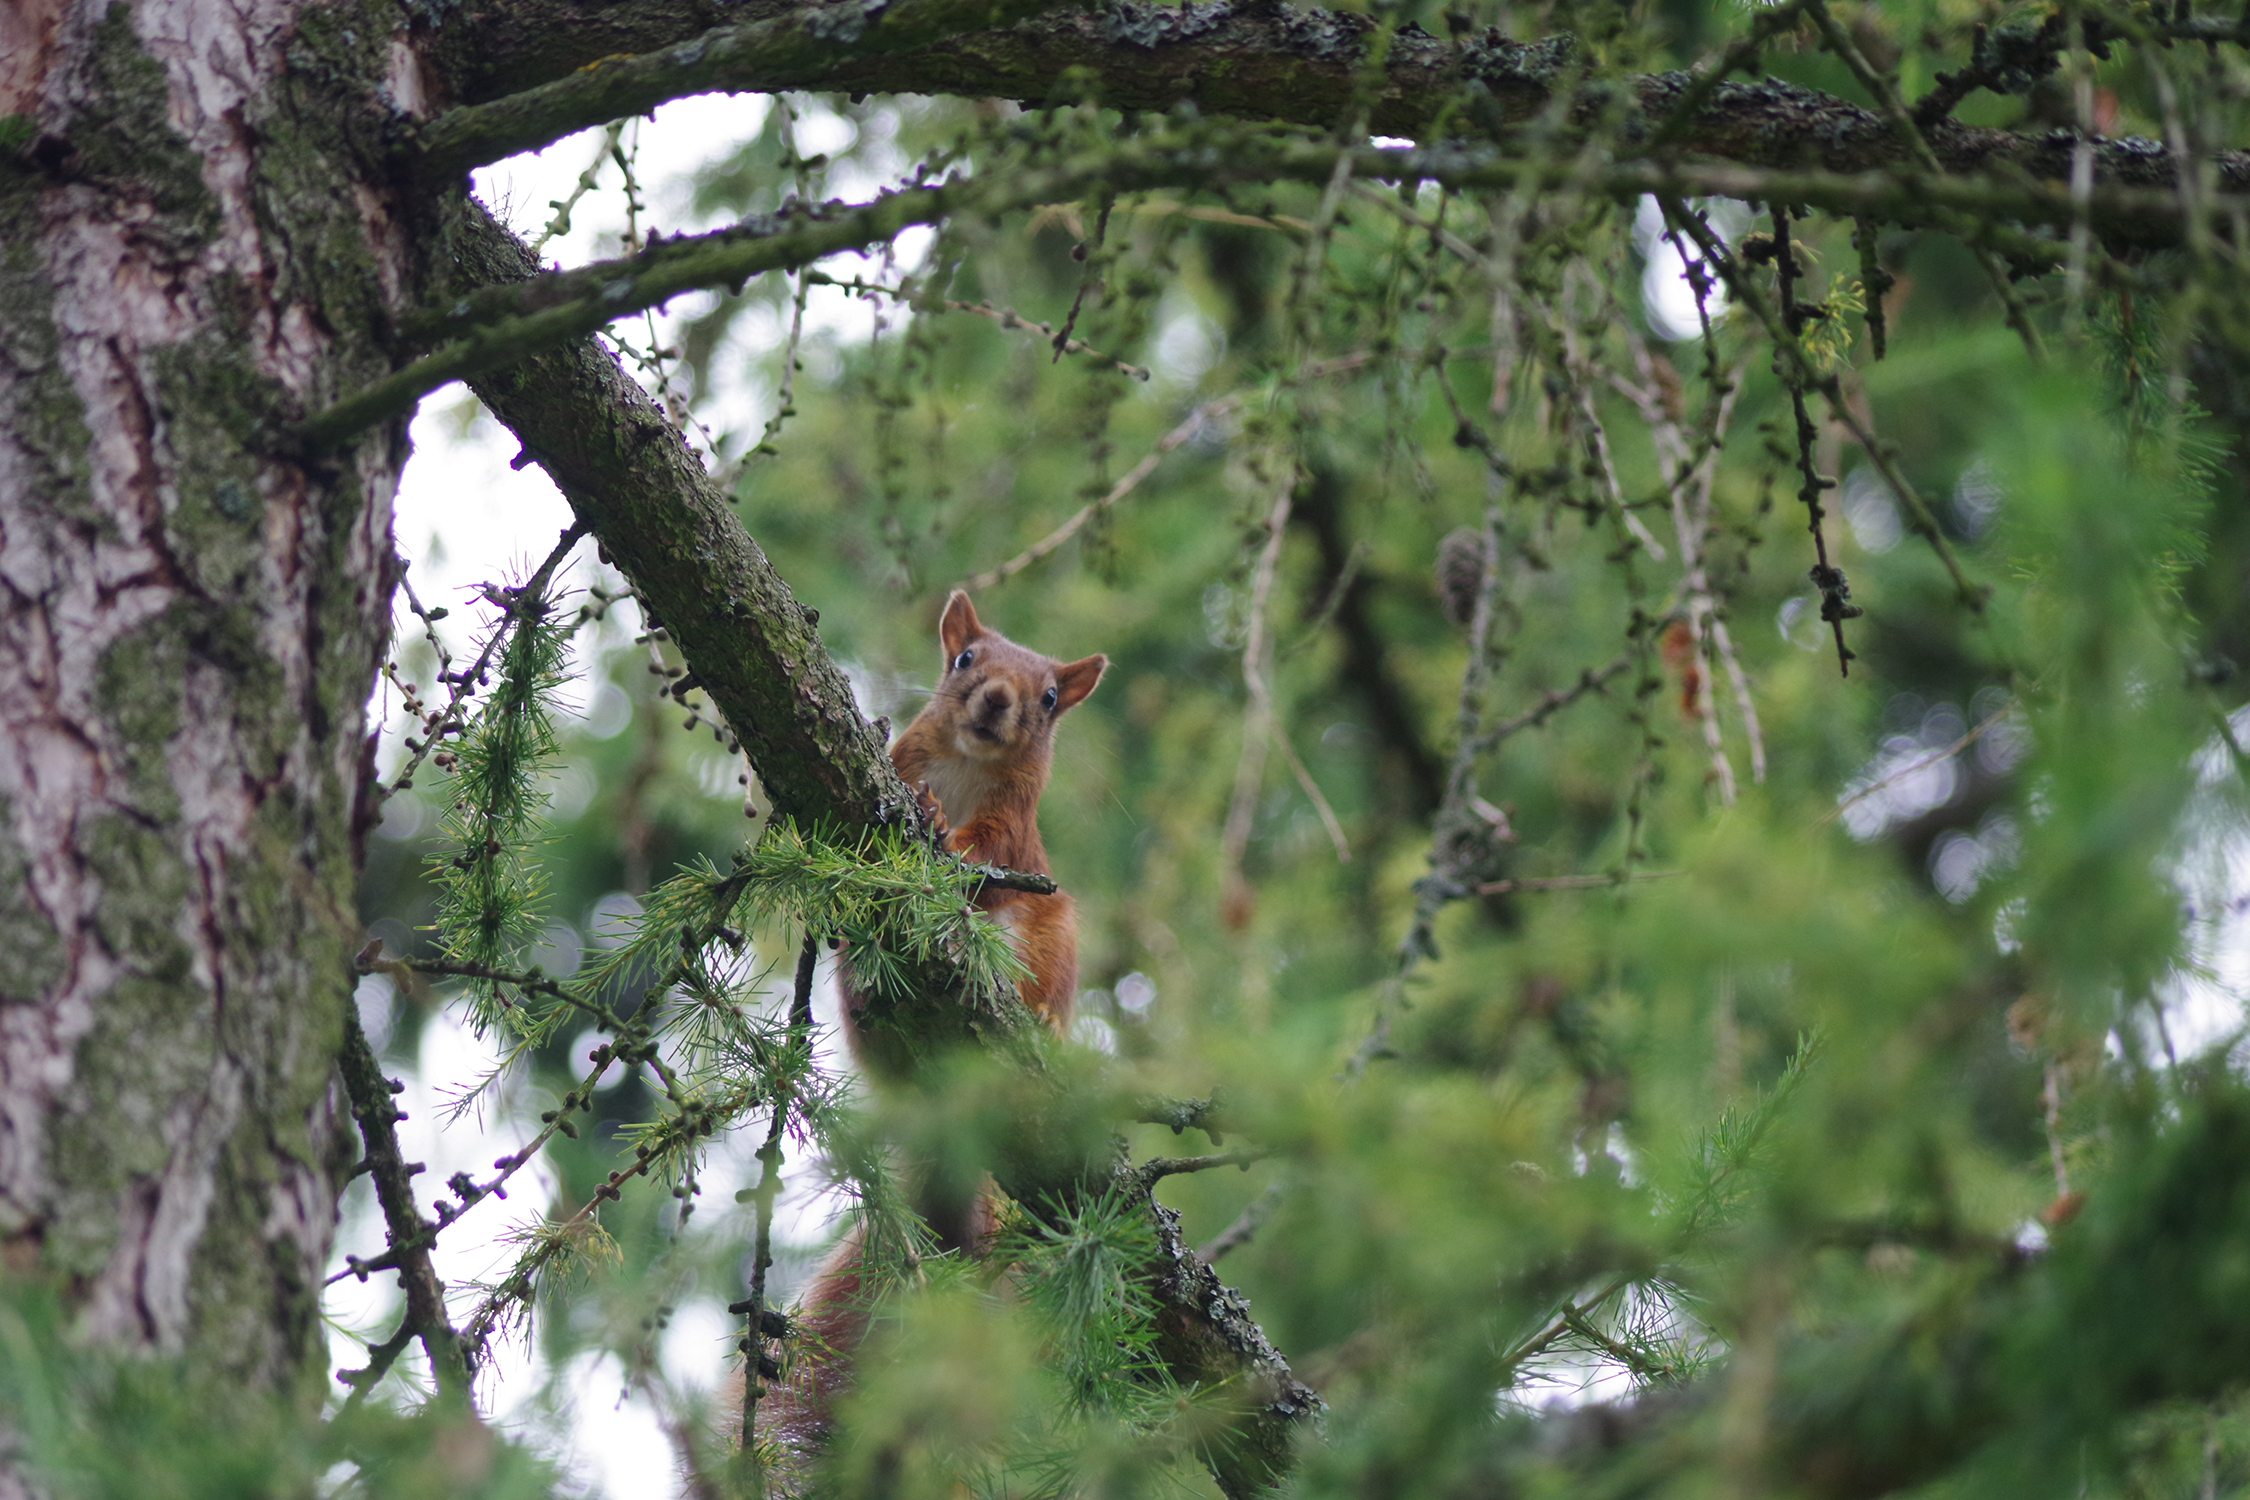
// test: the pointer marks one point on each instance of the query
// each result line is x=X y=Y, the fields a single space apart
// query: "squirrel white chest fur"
x=960 y=786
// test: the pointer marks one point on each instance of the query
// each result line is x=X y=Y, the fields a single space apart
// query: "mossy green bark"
x=180 y=1195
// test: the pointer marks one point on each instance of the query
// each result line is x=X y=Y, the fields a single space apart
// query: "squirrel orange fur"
x=981 y=749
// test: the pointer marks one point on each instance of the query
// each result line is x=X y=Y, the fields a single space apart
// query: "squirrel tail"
x=830 y=1323
x=825 y=1334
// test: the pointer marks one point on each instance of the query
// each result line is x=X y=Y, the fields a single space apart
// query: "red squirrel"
x=982 y=749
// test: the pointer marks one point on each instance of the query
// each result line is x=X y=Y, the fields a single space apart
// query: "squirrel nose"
x=994 y=702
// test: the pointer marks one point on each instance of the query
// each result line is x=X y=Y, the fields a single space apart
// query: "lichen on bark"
x=197 y=244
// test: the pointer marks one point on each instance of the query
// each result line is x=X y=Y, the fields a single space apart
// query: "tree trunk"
x=190 y=621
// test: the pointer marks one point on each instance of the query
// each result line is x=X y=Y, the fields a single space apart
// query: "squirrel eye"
x=1049 y=700
x=961 y=662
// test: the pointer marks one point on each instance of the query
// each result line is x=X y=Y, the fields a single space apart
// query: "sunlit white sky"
x=465 y=516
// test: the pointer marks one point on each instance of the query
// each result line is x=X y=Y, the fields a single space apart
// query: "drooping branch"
x=632 y=478
x=502 y=323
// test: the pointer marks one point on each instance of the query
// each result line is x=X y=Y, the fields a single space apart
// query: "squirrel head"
x=1001 y=700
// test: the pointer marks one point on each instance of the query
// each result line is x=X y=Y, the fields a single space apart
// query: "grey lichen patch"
x=1502 y=65
x=1153 y=26
x=46 y=417
x=38 y=955
x=220 y=406
x=1328 y=35
x=132 y=144
x=140 y=688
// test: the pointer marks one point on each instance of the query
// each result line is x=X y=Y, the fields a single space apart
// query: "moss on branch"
x=630 y=477
x=1302 y=65
x=610 y=88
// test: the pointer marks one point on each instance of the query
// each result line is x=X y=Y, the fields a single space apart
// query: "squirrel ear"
x=958 y=625
x=1074 y=680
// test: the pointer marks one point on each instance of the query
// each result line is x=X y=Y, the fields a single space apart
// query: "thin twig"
x=1590 y=681
x=1215 y=410
x=1157 y=1168
x=1258 y=726
x=515 y=608
x=1461 y=833
x=1006 y=317
x=993 y=877
x=1572 y=882
x=1935 y=757
x=1925 y=522
x=409 y=1233
x=1180 y=1114
x=1246 y=1224
x=760 y=1365
x=1902 y=120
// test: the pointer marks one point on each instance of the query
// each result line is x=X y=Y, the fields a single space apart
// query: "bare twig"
x=1258 y=727
x=1215 y=410
x=995 y=878
x=1156 y=1168
x=1246 y=1224
x=1180 y=1114
x=1903 y=121
x=759 y=1325
x=514 y=602
x=409 y=1233
x=1935 y=757
x=1590 y=681
x=1572 y=882
x=1006 y=317
x=1797 y=367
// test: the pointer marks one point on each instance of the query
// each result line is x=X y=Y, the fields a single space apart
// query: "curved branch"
x=630 y=477
x=503 y=323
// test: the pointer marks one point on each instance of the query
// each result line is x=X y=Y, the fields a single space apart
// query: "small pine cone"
x=1460 y=573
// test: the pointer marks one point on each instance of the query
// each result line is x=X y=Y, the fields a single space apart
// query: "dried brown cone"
x=1460 y=573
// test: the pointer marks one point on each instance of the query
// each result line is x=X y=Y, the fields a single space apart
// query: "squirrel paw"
x=932 y=814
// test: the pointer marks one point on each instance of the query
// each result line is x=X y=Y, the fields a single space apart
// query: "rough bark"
x=189 y=625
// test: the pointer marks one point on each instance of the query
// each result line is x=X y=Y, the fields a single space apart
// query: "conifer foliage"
x=1661 y=864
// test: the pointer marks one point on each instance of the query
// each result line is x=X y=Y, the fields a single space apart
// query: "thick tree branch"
x=1284 y=63
x=798 y=41
x=630 y=476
